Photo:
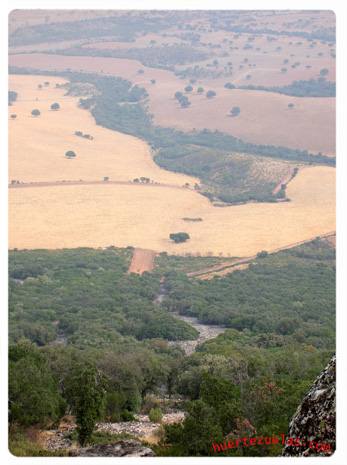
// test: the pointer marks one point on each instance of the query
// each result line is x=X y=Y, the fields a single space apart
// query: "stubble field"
x=138 y=215
x=264 y=119
x=55 y=217
x=38 y=144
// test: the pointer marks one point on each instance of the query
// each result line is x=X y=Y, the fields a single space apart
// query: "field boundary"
x=19 y=185
x=202 y=274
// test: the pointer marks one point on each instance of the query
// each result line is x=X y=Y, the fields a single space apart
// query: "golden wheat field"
x=144 y=216
x=264 y=119
x=37 y=145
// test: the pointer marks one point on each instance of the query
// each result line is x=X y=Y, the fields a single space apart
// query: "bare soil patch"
x=142 y=260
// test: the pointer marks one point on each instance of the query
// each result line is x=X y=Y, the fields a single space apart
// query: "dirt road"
x=143 y=260
x=242 y=263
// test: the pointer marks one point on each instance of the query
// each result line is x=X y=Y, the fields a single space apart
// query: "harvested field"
x=142 y=260
x=37 y=146
x=264 y=119
x=99 y=216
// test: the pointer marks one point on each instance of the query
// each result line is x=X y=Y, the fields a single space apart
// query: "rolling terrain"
x=264 y=119
x=52 y=213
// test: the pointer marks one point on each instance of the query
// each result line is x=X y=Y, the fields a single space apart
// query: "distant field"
x=38 y=145
x=54 y=217
x=264 y=119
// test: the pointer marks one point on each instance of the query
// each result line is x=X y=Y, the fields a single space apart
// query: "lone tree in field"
x=86 y=390
x=55 y=106
x=323 y=72
x=13 y=116
x=179 y=237
x=290 y=105
x=70 y=154
x=35 y=112
x=200 y=90
x=235 y=111
x=211 y=94
x=188 y=88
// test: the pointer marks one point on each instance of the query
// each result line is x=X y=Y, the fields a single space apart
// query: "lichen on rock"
x=315 y=418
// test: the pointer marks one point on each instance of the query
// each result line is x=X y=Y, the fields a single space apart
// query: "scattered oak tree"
x=179 y=237
x=55 y=106
x=235 y=111
x=70 y=154
x=210 y=94
x=35 y=112
x=86 y=393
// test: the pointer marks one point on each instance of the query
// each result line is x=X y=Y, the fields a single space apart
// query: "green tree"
x=55 y=106
x=235 y=111
x=70 y=154
x=35 y=112
x=33 y=391
x=200 y=429
x=224 y=397
x=86 y=393
x=229 y=85
x=179 y=237
x=210 y=94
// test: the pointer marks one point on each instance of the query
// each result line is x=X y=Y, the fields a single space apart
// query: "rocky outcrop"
x=126 y=448
x=312 y=428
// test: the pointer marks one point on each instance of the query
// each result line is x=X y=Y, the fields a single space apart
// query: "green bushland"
x=165 y=263
x=56 y=294
x=122 y=28
x=67 y=303
x=311 y=88
x=262 y=298
x=155 y=57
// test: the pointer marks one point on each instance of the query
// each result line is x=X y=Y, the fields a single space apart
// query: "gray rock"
x=315 y=418
x=126 y=448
